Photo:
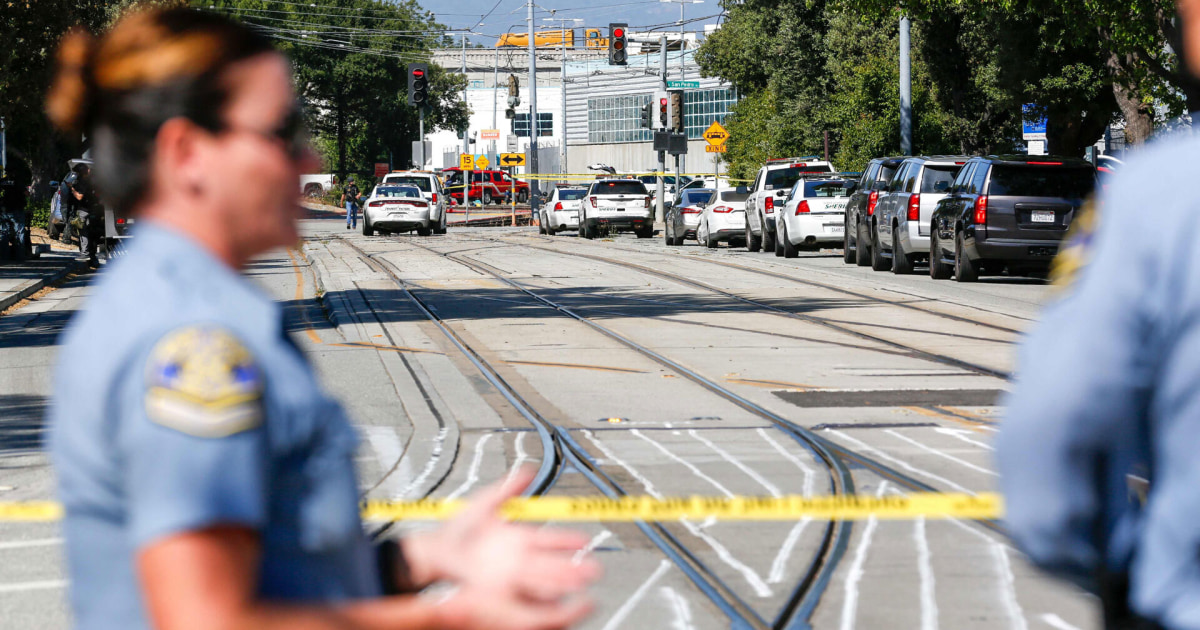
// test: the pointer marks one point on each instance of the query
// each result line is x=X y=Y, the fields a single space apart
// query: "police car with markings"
x=561 y=212
x=431 y=190
x=616 y=204
x=392 y=209
x=812 y=215
x=771 y=185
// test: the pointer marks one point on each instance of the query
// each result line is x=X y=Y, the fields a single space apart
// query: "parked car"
x=561 y=211
x=860 y=209
x=397 y=208
x=316 y=185
x=724 y=219
x=900 y=226
x=683 y=217
x=1006 y=212
x=485 y=186
x=617 y=204
x=670 y=189
x=770 y=186
x=431 y=189
x=812 y=215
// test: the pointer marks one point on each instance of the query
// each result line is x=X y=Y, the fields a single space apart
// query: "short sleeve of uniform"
x=191 y=432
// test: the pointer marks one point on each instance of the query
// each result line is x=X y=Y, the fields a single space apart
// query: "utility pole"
x=533 y=126
x=3 y=149
x=905 y=90
x=495 y=80
x=562 y=156
x=466 y=142
x=659 y=211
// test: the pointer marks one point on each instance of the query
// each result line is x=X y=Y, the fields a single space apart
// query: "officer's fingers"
x=487 y=502
x=557 y=615
x=551 y=539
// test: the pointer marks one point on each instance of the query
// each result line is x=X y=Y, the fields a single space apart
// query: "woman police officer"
x=207 y=480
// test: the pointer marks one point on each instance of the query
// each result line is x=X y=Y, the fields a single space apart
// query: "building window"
x=520 y=125
x=617 y=119
x=703 y=107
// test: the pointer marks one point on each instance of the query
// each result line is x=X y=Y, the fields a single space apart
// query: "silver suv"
x=902 y=216
x=769 y=191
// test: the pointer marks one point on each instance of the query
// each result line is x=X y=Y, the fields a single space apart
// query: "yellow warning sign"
x=512 y=159
x=716 y=135
x=482 y=162
x=466 y=161
x=932 y=505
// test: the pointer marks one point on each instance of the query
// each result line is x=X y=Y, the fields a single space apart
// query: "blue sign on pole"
x=1033 y=126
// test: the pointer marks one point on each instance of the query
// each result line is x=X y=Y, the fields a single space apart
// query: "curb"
x=29 y=287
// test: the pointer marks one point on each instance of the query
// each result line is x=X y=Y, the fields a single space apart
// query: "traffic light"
x=418 y=84
x=648 y=116
x=618 y=42
x=514 y=96
x=676 y=114
x=663 y=112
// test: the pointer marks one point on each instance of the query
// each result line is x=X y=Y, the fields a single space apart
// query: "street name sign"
x=683 y=85
x=512 y=159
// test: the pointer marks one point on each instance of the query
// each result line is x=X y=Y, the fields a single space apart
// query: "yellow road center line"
x=930 y=505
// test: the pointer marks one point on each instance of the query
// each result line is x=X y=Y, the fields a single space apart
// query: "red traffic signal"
x=418 y=73
x=618 y=32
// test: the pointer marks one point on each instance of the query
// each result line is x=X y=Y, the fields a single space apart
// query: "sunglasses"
x=291 y=132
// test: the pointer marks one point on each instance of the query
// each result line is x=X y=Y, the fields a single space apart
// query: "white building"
x=603 y=106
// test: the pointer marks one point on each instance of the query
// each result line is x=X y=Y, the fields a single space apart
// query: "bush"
x=41 y=213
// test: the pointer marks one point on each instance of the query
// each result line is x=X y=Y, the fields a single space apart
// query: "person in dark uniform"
x=350 y=198
x=89 y=214
x=207 y=479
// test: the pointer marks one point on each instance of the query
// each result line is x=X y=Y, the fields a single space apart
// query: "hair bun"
x=69 y=99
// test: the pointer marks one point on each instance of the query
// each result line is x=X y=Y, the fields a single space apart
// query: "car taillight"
x=871 y=201
x=593 y=200
x=375 y=204
x=120 y=221
x=647 y=202
x=770 y=204
x=691 y=210
x=981 y=210
x=803 y=207
x=914 y=207
x=434 y=200
x=418 y=204
x=724 y=209
x=558 y=206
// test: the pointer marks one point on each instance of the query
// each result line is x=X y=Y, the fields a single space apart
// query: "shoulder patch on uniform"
x=201 y=380
x=1076 y=248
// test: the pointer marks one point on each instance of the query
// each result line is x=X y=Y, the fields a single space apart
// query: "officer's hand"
x=481 y=552
x=483 y=609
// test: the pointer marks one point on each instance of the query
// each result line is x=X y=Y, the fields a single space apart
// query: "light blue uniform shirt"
x=181 y=403
x=1108 y=379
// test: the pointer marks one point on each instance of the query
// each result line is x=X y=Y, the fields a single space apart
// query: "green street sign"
x=683 y=84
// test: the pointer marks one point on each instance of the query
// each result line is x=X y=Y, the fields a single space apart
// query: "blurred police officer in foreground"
x=1108 y=384
x=208 y=481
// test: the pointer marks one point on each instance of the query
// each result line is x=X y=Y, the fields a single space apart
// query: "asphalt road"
x=671 y=379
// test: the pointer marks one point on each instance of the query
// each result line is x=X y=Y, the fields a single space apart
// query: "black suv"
x=861 y=206
x=1006 y=211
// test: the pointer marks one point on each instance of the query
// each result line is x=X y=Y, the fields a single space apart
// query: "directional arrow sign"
x=512 y=159
x=716 y=134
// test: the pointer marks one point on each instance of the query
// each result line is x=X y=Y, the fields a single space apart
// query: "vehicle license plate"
x=1043 y=216
x=835 y=228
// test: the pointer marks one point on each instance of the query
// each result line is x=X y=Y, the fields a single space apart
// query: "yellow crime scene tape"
x=930 y=505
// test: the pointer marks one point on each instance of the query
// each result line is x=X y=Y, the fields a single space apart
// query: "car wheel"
x=709 y=240
x=368 y=229
x=542 y=223
x=587 y=231
x=878 y=262
x=862 y=246
x=901 y=263
x=938 y=270
x=768 y=239
x=669 y=236
x=424 y=231
x=964 y=269
x=522 y=197
x=646 y=232
x=789 y=250
x=848 y=253
x=753 y=243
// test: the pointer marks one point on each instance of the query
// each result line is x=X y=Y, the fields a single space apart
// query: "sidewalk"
x=19 y=280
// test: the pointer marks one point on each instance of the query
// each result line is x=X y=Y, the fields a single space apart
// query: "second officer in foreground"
x=208 y=481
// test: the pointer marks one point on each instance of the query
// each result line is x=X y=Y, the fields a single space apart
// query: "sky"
x=506 y=16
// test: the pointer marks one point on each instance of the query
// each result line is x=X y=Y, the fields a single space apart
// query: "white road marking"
x=522 y=456
x=1008 y=588
x=760 y=587
x=934 y=451
x=686 y=464
x=750 y=472
x=855 y=574
x=679 y=605
x=591 y=546
x=878 y=454
x=439 y=442
x=1054 y=621
x=473 y=471
x=961 y=434
x=41 y=542
x=929 y=609
x=779 y=565
x=43 y=585
x=619 y=617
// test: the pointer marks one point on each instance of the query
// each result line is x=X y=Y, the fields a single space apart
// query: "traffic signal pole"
x=533 y=121
x=659 y=210
x=905 y=90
